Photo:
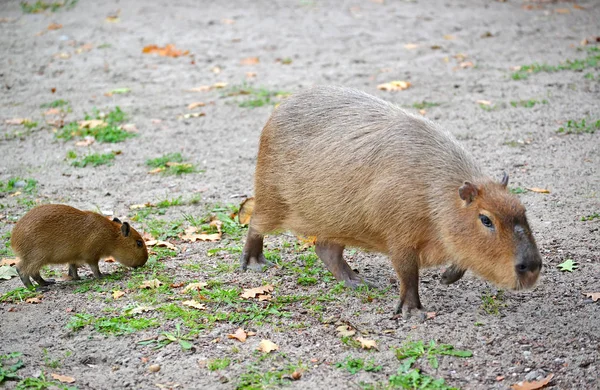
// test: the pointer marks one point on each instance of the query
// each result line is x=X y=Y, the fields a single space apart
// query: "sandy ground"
x=458 y=53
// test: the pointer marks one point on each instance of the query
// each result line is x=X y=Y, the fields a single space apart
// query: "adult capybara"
x=60 y=234
x=354 y=170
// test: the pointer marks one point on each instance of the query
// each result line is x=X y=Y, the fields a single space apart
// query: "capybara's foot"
x=73 y=272
x=354 y=281
x=452 y=274
x=404 y=310
x=41 y=281
x=255 y=263
x=25 y=279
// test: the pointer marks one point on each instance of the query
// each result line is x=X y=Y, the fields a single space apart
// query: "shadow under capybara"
x=354 y=170
x=60 y=234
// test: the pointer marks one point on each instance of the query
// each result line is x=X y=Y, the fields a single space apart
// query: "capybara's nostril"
x=521 y=268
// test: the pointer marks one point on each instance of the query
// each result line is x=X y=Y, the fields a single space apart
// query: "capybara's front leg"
x=73 y=271
x=25 y=279
x=41 y=281
x=95 y=269
x=406 y=264
x=332 y=255
x=252 y=256
x=452 y=274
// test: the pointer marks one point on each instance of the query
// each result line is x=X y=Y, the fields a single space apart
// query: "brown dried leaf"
x=167 y=51
x=430 y=315
x=411 y=46
x=253 y=292
x=307 y=242
x=109 y=260
x=240 y=335
x=265 y=297
x=191 y=234
x=449 y=37
x=154 y=283
x=539 y=190
x=194 y=304
x=594 y=296
x=466 y=64
x=92 y=124
x=140 y=206
x=484 y=102
x=8 y=261
x=267 y=346
x=176 y=285
x=34 y=300
x=194 y=287
x=345 y=331
x=16 y=121
x=367 y=344
x=396 y=85
x=117 y=294
x=63 y=378
x=191 y=106
x=246 y=209
x=532 y=385
x=156 y=170
x=87 y=141
x=55 y=26
x=52 y=111
x=159 y=243
x=250 y=61
x=250 y=75
x=562 y=11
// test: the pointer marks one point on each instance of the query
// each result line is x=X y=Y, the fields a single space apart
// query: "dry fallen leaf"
x=192 y=115
x=16 y=121
x=449 y=37
x=194 y=304
x=367 y=344
x=396 y=85
x=8 y=261
x=52 y=111
x=411 y=46
x=307 y=242
x=34 y=300
x=159 y=243
x=250 y=61
x=92 y=124
x=265 y=297
x=156 y=170
x=227 y=21
x=345 y=331
x=194 y=287
x=154 y=283
x=466 y=64
x=594 y=296
x=191 y=234
x=54 y=26
x=140 y=206
x=117 y=294
x=484 y=102
x=253 y=292
x=191 y=106
x=246 y=209
x=539 y=190
x=240 y=334
x=430 y=315
x=167 y=51
x=87 y=141
x=562 y=11
x=109 y=260
x=532 y=385
x=267 y=346
x=63 y=378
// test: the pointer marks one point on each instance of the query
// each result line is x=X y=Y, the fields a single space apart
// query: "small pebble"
x=154 y=368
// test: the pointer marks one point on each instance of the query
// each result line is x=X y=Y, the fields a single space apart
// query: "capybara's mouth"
x=527 y=280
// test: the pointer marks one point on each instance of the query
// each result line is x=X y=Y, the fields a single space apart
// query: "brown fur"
x=354 y=170
x=59 y=234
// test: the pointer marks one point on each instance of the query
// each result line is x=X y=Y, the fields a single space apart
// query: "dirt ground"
x=457 y=54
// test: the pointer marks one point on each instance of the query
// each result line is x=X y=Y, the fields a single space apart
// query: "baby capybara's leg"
x=406 y=264
x=95 y=269
x=73 y=271
x=41 y=281
x=252 y=256
x=332 y=255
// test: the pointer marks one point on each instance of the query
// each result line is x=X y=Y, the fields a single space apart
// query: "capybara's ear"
x=125 y=229
x=504 y=180
x=467 y=192
x=117 y=220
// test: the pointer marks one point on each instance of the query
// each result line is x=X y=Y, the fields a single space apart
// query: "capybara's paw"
x=452 y=274
x=356 y=281
x=404 y=310
x=255 y=263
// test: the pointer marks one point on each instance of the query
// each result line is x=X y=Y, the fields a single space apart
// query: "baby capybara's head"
x=130 y=248
x=492 y=237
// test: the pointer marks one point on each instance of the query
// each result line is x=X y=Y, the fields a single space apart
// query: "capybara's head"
x=492 y=237
x=130 y=248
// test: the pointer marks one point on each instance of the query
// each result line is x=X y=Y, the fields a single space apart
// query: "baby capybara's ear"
x=125 y=229
x=468 y=192
x=504 y=180
x=117 y=220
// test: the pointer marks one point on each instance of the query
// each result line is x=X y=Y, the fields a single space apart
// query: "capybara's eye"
x=486 y=221
x=139 y=243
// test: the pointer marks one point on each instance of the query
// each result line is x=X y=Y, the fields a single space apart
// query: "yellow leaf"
x=267 y=346
x=240 y=334
x=219 y=85
x=63 y=378
x=117 y=294
x=246 y=210
x=396 y=85
x=194 y=287
x=532 y=385
x=194 y=304
x=167 y=51
x=253 y=292
x=159 y=243
x=539 y=190
x=154 y=283
x=367 y=344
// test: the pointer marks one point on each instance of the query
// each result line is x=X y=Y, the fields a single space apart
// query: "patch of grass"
x=5 y=249
x=415 y=379
x=109 y=131
x=171 y=164
x=354 y=366
x=49 y=362
x=29 y=125
x=492 y=303
x=413 y=350
x=164 y=230
x=167 y=338
x=256 y=97
x=15 y=184
x=527 y=103
x=575 y=127
x=253 y=379
x=13 y=363
x=424 y=104
x=41 y=6
x=18 y=295
x=55 y=104
x=71 y=155
x=591 y=217
x=218 y=364
x=94 y=160
x=589 y=76
x=591 y=61
x=193 y=319
x=517 y=190
x=41 y=383
x=116 y=326
x=488 y=107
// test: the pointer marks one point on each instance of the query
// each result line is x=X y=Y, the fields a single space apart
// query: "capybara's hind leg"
x=332 y=255
x=452 y=274
x=41 y=281
x=96 y=270
x=25 y=279
x=73 y=272
x=252 y=256
x=406 y=264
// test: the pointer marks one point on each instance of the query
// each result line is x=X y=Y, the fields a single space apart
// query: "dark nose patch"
x=528 y=258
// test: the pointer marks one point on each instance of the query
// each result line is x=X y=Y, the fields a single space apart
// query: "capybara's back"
x=352 y=169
